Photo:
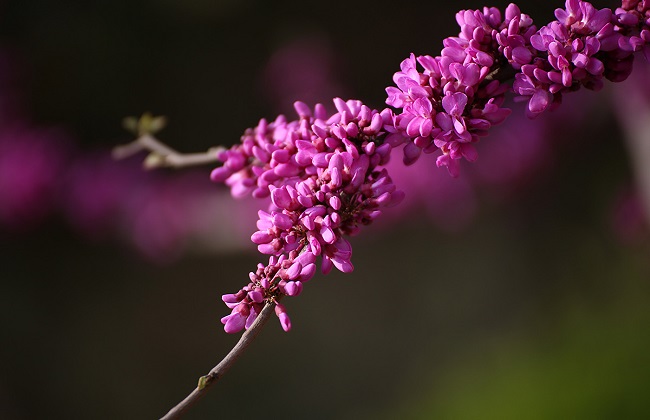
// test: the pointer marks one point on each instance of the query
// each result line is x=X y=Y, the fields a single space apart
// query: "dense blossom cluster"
x=323 y=174
x=324 y=178
x=449 y=101
x=283 y=152
x=580 y=48
x=457 y=96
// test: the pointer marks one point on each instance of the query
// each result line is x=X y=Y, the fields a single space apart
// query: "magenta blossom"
x=323 y=176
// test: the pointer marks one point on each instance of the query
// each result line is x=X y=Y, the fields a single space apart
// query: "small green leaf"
x=144 y=125
x=203 y=381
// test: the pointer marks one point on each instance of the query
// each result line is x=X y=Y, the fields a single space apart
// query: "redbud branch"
x=218 y=371
x=162 y=155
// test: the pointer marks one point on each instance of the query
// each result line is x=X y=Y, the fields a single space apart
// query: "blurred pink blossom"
x=160 y=214
x=31 y=162
x=448 y=203
x=96 y=187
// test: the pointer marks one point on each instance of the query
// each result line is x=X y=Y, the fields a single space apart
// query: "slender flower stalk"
x=220 y=369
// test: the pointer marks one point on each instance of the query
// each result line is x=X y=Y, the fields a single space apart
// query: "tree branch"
x=162 y=155
x=218 y=371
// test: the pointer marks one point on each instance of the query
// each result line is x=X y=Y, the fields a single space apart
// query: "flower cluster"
x=453 y=99
x=580 y=48
x=632 y=21
x=280 y=153
x=457 y=96
x=323 y=176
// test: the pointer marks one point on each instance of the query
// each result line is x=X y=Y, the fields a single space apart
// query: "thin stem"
x=164 y=156
x=218 y=371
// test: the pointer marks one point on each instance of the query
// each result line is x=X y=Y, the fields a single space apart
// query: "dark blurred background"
x=519 y=296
